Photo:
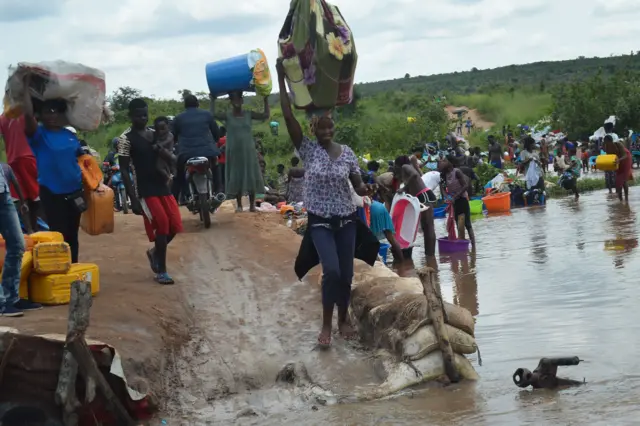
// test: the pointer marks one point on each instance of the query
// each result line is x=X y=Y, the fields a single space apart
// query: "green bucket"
x=476 y=206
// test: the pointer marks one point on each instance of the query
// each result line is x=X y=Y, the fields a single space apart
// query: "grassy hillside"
x=539 y=75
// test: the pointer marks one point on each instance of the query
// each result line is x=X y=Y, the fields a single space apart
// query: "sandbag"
x=409 y=311
x=400 y=375
x=82 y=87
x=424 y=341
x=319 y=55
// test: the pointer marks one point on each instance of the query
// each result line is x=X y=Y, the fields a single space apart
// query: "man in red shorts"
x=23 y=162
x=157 y=205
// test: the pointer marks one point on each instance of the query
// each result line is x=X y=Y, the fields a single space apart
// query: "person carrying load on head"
x=23 y=163
x=242 y=169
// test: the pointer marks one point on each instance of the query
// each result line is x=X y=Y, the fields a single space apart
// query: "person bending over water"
x=414 y=185
x=456 y=183
x=624 y=161
x=332 y=222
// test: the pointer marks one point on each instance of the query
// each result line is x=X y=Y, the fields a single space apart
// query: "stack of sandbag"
x=82 y=87
x=319 y=55
x=393 y=314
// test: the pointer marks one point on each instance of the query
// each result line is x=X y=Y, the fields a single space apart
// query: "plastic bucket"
x=606 y=163
x=237 y=74
x=452 y=246
x=383 y=251
x=475 y=206
x=440 y=212
x=498 y=203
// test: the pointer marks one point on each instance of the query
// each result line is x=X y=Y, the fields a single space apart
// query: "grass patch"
x=502 y=108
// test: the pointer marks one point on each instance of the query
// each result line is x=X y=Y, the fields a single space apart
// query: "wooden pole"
x=89 y=369
x=436 y=314
x=77 y=324
x=77 y=355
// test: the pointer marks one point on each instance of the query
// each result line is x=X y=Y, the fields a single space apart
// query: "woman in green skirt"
x=242 y=171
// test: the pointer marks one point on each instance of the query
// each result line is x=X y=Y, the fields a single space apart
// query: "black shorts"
x=427 y=197
x=461 y=206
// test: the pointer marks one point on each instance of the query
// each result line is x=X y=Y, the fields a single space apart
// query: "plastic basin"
x=383 y=251
x=452 y=246
x=475 y=206
x=440 y=212
x=498 y=203
x=606 y=163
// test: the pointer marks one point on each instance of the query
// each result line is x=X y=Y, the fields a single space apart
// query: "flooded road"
x=555 y=281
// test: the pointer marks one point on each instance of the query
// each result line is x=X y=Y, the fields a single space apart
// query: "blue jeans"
x=14 y=240
x=336 y=246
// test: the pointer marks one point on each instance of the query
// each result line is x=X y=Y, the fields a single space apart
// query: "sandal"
x=324 y=343
x=164 y=278
x=152 y=261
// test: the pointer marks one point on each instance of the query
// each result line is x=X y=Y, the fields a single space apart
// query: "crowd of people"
x=44 y=177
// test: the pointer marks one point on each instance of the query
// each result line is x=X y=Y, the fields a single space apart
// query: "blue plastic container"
x=440 y=212
x=383 y=251
x=229 y=75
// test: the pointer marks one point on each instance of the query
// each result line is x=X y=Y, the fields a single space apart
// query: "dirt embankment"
x=211 y=345
x=473 y=114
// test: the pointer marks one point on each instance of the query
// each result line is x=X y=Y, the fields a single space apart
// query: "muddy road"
x=558 y=281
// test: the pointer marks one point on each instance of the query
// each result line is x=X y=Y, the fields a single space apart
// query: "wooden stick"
x=89 y=369
x=78 y=322
x=5 y=358
x=436 y=314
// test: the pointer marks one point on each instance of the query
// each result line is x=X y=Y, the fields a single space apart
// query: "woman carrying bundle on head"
x=330 y=170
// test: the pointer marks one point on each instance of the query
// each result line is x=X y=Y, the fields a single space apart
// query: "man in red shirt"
x=23 y=162
x=222 y=157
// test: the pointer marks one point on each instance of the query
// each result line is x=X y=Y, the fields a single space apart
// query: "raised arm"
x=212 y=109
x=293 y=127
x=262 y=116
x=30 y=122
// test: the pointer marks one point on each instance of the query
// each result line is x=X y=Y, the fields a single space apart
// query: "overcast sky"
x=161 y=46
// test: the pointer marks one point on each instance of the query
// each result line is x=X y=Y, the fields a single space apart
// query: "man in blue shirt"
x=195 y=132
x=10 y=303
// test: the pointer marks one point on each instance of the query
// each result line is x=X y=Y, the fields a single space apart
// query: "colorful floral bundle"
x=319 y=55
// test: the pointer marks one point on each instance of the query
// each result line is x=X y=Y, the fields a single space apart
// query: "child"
x=585 y=159
x=163 y=144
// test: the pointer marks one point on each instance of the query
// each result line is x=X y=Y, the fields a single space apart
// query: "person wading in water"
x=414 y=185
x=330 y=169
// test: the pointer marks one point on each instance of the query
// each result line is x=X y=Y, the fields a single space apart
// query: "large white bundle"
x=81 y=86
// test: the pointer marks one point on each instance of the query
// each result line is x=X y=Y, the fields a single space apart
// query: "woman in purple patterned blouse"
x=329 y=169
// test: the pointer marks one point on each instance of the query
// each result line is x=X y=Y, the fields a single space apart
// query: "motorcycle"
x=201 y=199
x=119 y=190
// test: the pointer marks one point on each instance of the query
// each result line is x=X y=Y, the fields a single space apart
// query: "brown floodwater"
x=555 y=281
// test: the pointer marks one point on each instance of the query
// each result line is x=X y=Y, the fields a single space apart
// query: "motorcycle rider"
x=196 y=134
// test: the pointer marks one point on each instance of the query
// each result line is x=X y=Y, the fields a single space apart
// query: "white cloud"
x=162 y=46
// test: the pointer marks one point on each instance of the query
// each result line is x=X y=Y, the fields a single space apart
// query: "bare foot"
x=324 y=339
x=252 y=209
x=347 y=332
